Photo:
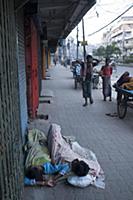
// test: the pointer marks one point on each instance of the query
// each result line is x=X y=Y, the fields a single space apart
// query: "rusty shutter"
x=31 y=41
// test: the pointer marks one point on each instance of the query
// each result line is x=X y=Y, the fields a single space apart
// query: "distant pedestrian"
x=87 y=72
x=106 y=72
x=54 y=61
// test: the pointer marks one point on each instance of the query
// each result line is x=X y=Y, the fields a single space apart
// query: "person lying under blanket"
x=34 y=175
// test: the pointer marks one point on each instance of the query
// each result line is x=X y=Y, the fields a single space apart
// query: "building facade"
x=122 y=35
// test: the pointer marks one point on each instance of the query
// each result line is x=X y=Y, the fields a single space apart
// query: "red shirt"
x=106 y=71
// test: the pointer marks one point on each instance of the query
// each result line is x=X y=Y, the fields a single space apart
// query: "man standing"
x=87 y=72
x=106 y=72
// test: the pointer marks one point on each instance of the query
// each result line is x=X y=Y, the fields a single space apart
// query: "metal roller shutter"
x=21 y=70
x=11 y=158
x=31 y=42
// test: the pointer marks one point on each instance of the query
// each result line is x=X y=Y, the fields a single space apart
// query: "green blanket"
x=37 y=148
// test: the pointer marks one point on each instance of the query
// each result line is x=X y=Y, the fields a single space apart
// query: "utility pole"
x=84 y=50
x=123 y=45
x=77 y=44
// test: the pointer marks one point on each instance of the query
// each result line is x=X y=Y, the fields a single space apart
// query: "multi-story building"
x=121 y=34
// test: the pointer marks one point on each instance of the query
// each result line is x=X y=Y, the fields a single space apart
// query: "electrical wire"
x=97 y=5
x=108 y=11
x=111 y=21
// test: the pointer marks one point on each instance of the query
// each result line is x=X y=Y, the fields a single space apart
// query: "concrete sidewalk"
x=110 y=138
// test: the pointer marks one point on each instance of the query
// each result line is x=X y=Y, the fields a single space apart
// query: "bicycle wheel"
x=122 y=107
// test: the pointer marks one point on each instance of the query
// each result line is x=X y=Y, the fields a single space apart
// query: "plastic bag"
x=99 y=182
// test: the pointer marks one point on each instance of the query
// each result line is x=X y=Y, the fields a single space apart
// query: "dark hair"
x=34 y=173
x=88 y=57
x=80 y=168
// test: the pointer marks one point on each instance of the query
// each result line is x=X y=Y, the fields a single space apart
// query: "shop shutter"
x=11 y=157
x=31 y=42
x=21 y=70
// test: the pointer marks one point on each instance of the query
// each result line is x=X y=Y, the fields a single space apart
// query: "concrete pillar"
x=49 y=59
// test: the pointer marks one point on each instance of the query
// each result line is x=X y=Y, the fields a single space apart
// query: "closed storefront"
x=11 y=159
x=31 y=47
x=21 y=69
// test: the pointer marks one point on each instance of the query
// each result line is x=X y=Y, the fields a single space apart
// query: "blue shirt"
x=28 y=181
x=78 y=68
x=56 y=168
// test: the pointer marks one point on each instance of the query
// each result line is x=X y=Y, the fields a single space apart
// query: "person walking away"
x=87 y=73
x=106 y=72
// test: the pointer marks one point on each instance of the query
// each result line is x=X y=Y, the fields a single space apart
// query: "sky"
x=102 y=13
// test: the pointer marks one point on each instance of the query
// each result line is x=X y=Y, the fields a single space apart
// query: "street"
x=110 y=138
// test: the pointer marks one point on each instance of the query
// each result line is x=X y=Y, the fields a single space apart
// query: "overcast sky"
x=100 y=15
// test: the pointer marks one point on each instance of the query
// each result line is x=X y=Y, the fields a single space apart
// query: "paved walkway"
x=110 y=138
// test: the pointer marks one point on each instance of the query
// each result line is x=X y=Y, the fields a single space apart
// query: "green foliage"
x=108 y=51
x=100 y=52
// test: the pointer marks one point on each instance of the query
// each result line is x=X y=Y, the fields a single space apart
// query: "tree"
x=113 y=50
x=108 y=51
x=100 y=52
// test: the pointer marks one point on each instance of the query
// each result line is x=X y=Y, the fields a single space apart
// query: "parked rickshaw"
x=124 y=100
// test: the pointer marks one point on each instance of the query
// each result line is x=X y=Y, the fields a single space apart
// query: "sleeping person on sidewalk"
x=35 y=174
